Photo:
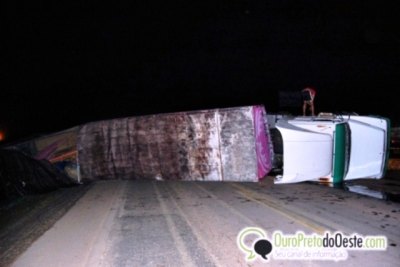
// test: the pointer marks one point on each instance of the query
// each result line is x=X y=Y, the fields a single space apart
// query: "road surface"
x=165 y=223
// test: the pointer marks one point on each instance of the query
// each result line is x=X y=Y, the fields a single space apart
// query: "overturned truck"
x=228 y=144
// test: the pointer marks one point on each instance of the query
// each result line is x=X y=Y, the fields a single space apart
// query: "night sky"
x=66 y=64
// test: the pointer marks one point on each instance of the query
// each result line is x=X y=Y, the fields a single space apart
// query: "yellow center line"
x=253 y=196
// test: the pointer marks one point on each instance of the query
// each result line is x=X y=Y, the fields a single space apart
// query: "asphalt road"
x=156 y=223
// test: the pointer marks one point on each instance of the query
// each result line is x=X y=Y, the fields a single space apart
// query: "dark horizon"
x=69 y=64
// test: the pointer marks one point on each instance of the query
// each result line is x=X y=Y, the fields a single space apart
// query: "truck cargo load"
x=228 y=144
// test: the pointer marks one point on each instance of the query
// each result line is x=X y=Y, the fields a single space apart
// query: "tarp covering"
x=219 y=144
x=264 y=147
x=21 y=174
x=58 y=148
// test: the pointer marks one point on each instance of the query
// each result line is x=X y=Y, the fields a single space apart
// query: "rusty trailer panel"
x=212 y=145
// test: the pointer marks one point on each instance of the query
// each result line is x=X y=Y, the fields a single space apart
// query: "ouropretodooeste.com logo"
x=261 y=246
x=253 y=242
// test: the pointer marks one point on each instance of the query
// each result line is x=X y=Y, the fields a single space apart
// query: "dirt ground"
x=25 y=219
